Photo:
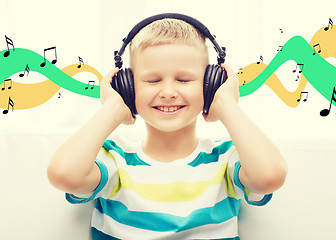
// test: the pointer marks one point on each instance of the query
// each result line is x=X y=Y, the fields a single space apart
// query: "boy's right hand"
x=108 y=96
x=226 y=94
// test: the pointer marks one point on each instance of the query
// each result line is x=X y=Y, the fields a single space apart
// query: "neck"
x=169 y=146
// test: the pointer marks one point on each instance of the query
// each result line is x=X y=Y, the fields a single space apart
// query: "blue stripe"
x=163 y=222
x=205 y=158
x=131 y=159
x=234 y=238
x=236 y=180
x=98 y=235
x=71 y=198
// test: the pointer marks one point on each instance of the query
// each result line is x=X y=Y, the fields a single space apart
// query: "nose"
x=168 y=90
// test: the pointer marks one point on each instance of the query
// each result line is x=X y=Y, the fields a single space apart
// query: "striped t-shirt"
x=197 y=197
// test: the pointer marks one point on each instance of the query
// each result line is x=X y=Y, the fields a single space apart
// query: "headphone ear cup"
x=122 y=82
x=206 y=83
x=208 y=86
x=130 y=90
x=124 y=87
x=215 y=77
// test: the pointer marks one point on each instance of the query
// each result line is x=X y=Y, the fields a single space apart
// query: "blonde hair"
x=166 y=31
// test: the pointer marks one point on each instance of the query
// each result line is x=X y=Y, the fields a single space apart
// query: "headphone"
x=214 y=76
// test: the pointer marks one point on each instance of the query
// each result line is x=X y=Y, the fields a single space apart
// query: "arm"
x=263 y=169
x=72 y=167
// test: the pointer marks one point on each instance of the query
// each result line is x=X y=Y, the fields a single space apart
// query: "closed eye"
x=183 y=80
x=153 y=81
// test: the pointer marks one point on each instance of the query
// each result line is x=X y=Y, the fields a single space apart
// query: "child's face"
x=168 y=82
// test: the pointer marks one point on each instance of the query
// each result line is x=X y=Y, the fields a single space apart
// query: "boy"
x=171 y=185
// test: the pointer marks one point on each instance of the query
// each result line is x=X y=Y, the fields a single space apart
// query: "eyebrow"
x=154 y=74
x=147 y=75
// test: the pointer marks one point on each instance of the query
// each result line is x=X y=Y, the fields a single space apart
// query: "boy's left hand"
x=227 y=92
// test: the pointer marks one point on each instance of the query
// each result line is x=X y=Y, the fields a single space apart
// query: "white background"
x=32 y=209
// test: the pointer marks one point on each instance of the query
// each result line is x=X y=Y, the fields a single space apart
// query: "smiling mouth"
x=168 y=108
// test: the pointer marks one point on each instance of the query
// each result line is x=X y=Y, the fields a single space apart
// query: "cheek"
x=196 y=96
x=143 y=97
x=139 y=98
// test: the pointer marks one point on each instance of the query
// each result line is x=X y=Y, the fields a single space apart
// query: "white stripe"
x=110 y=227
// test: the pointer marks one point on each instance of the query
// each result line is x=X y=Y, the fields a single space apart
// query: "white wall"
x=32 y=209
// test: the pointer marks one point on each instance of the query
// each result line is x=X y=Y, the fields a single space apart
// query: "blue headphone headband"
x=198 y=25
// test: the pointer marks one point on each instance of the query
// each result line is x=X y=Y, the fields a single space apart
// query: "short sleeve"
x=109 y=178
x=251 y=198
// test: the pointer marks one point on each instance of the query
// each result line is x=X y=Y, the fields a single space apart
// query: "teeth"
x=168 y=109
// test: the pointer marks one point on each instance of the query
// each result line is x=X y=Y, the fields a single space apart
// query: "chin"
x=172 y=126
